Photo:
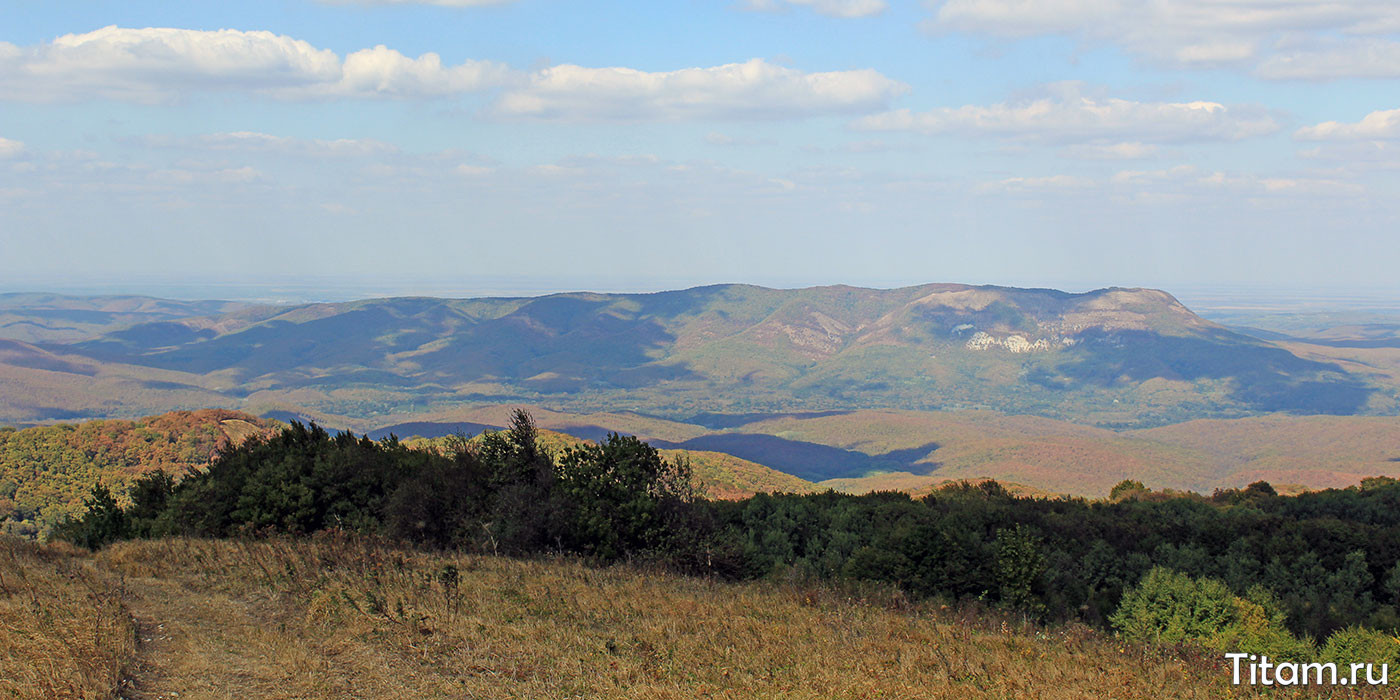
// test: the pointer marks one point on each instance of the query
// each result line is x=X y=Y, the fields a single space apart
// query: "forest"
x=1310 y=575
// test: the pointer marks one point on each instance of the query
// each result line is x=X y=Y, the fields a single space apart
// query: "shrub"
x=1361 y=645
x=1169 y=607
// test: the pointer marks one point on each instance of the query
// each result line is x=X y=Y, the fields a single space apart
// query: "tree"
x=1126 y=489
x=1020 y=564
x=150 y=496
x=525 y=513
x=619 y=490
x=103 y=523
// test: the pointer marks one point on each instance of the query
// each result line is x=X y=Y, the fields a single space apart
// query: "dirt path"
x=195 y=644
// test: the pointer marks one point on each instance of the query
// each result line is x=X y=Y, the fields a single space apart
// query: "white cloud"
x=1128 y=150
x=833 y=8
x=384 y=72
x=1376 y=125
x=1358 y=155
x=255 y=141
x=1372 y=143
x=1287 y=186
x=9 y=148
x=716 y=138
x=158 y=64
x=1030 y=184
x=1179 y=184
x=1180 y=172
x=1352 y=58
x=1249 y=33
x=185 y=176
x=1070 y=117
x=752 y=90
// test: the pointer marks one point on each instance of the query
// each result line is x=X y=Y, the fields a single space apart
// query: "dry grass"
x=63 y=630
x=339 y=617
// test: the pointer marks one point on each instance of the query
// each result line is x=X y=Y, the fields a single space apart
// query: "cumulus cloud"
x=1070 y=117
x=1179 y=183
x=256 y=141
x=1252 y=33
x=188 y=176
x=832 y=8
x=1373 y=142
x=1129 y=150
x=1032 y=184
x=1358 y=155
x=384 y=72
x=1376 y=125
x=9 y=148
x=1328 y=60
x=752 y=90
x=157 y=64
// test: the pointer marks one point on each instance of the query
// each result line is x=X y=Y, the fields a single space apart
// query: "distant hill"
x=1112 y=357
x=1060 y=457
x=46 y=472
x=32 y=317
x=914 y=451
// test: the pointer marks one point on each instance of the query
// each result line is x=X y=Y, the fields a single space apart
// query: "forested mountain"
x=1313 y=564
x=1118 y=357
x=46 y=472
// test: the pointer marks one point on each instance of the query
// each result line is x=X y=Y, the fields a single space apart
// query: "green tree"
x=103 y=523
x=150 y=496
x=1127 y=488
x=618 y=491
x=1020 y=565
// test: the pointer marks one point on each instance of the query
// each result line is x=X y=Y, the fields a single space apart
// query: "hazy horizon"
x=1200 y=297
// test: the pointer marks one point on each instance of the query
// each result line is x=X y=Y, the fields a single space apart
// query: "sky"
x=462 y=146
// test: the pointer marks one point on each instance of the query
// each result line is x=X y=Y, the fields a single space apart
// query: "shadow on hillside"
x=1265 y=378
x=431 y=430
x=807 y=460
x=724 y=421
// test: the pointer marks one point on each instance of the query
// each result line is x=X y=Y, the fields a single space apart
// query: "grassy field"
x=336 y=617
x=64 y=628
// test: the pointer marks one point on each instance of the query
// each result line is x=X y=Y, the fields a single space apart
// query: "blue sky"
x=537 y=144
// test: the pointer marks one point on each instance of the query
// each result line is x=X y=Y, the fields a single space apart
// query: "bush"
x=1361 y=645
x=1168 y=607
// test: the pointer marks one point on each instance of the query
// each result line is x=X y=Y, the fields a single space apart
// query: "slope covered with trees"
x=1312 y=564
x=46 y=472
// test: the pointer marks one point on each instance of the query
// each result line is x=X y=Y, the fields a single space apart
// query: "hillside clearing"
x=341 y=618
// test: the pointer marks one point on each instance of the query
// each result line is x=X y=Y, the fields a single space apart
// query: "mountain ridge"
x=1129 y=356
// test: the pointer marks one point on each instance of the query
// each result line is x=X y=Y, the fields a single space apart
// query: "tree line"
x=1280 y=567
